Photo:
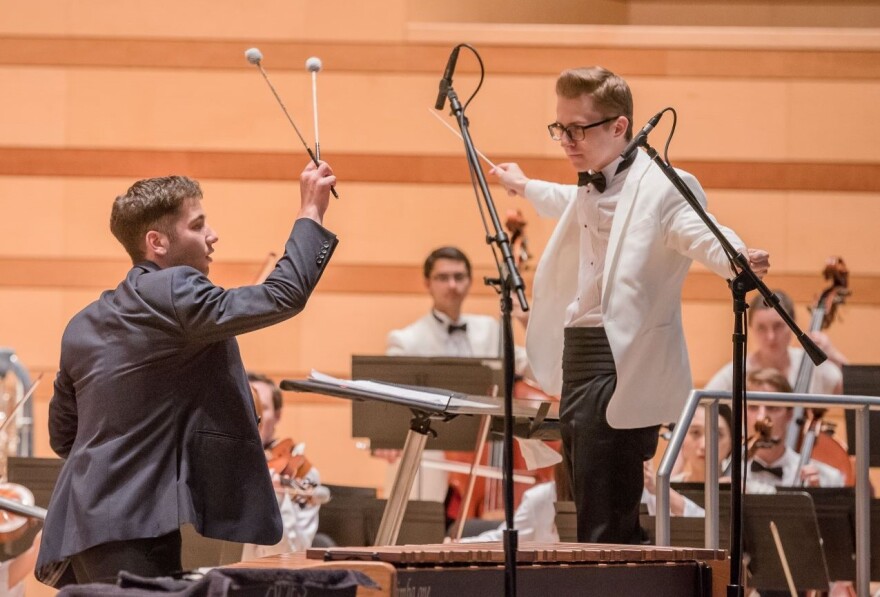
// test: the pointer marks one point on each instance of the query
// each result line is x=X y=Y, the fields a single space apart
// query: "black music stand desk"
x=795 y=519
x=428 y=406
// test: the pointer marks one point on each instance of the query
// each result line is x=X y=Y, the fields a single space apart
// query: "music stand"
x=875 y=541
x=443 y=406
x=37 y=474
x=795 y=518
x=835 y=513
x=863 y=380
x=386 y=424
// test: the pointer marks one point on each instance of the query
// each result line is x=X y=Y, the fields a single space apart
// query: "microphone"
x=446 y=81
x=642 y=135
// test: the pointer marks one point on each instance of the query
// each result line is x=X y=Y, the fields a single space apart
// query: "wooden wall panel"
x=341 y=19
x=397 y=224
x=33 y=106
x=495 y=11
x=194 y=19
x=812 y=114
x=31 y=210
x=786 y=13
x=730 y=119
x=32 y=321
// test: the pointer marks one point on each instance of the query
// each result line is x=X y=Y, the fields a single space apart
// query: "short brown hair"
x=451 y=253
x=277 y=398
x=758 y=303
x=770 y=377
x=149 y=204
x=610 y=93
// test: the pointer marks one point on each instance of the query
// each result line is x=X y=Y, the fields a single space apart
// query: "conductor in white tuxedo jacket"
x=605 y=328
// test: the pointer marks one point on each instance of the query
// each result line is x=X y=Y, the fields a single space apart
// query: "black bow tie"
x=757 y=467
x=596 y=178
x=457 y=328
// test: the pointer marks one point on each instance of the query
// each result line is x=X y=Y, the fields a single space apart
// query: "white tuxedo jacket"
x=654 y=236
x=427 y=337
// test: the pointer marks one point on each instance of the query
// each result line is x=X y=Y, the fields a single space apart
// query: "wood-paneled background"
x=777 y=119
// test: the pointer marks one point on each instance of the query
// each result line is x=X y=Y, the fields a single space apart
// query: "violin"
x=816 y=440
x=289 y=467
x=288 y=459
x=17 y=510
x=17 y=507
x=515 y=223
x=761 y=438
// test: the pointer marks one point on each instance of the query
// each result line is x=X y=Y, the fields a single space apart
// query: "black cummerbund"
x=586 y=354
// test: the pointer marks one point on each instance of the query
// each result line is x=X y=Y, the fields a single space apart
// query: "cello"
x=816 y=440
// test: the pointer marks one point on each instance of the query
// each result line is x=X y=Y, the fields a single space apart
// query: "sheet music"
x=439 y=398
x=424 y=397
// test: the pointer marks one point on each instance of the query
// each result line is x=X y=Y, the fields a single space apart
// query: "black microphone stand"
x=745 y=281
x=508 y=281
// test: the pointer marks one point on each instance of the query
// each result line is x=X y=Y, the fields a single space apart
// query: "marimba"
x=559 y=569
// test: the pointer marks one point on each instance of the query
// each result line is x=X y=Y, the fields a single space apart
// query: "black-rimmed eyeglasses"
x=574 y=132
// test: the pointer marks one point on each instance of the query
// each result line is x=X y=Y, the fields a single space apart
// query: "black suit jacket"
x=153 y=412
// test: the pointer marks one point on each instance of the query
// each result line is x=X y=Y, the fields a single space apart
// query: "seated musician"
x=693 y=461
x=298 y=514
x=771 y=338
x=535 y=518
x=446 y=331
x=777 y=465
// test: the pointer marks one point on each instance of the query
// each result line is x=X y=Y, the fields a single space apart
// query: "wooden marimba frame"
x=558 y=569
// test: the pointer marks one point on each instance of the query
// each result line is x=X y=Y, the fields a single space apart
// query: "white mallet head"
x=253 y=55
x=313 y=64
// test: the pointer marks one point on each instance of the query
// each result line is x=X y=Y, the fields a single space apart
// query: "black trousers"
x=154 y=556
x=605 y=464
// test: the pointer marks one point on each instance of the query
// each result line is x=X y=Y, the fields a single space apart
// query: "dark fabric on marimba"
x=605 y=464
x=232 y=582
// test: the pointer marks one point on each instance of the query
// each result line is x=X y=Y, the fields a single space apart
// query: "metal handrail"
x=862 y=405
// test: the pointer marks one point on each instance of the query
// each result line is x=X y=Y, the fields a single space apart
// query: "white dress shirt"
x=759 y=482
x=535 y=519
x=595 y=214
x=825 y=377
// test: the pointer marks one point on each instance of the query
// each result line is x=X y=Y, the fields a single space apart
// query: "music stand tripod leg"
x=410 y=459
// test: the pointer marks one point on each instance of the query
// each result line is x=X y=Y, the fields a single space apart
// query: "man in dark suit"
x=152 y=408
